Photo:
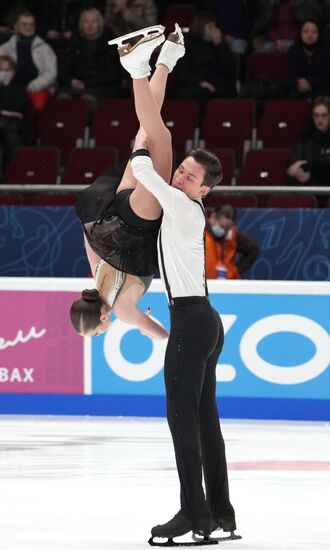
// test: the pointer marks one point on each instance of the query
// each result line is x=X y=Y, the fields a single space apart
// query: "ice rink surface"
x=82 y=483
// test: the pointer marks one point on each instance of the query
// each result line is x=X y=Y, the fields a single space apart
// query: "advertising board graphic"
x=276 y=345
x=39 y=351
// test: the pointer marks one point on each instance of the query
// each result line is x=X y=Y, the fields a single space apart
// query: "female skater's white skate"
x=135 y=55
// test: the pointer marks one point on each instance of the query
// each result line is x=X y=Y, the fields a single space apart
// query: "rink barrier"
x=274 y=365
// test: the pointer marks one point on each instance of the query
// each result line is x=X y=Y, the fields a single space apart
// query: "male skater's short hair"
x=211 y=165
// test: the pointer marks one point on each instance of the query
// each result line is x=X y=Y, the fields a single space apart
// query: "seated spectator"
x=309 y=162
x=60 y=18
x=229 y=252
x=92 y=70
x=13 y=103
x=35 y=60
x=308 y=64
x=277 y=22
x=206 y=70
x=234 y=19
x=124 y=16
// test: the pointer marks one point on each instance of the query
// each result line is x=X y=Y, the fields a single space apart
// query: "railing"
x=234 y=189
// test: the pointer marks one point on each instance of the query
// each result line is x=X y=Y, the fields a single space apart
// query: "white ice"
x=82 y=483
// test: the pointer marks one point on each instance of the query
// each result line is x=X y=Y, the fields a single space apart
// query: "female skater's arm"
x=134 y=316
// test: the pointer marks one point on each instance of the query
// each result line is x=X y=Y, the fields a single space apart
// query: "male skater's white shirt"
x=181 y=232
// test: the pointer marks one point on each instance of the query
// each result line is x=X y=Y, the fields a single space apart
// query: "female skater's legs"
x=148 y=98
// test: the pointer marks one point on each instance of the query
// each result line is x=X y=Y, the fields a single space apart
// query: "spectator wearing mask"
x=229 y=252
x=13 y=102
x=92 y=69
x=125 y=16
x=309 y=162
x=35 y=60
x=206 y=71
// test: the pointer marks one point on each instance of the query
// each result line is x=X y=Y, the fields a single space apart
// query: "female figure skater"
x=121 y=222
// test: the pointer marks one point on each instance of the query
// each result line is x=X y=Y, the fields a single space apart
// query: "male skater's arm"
x=172 y=200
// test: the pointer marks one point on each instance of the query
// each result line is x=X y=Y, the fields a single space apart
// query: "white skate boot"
x=135 y=55
x=172 y=49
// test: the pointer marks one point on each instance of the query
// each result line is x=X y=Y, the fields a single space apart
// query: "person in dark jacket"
x=13 y=103
x=206 y=71
x=309 y=162
x=277 y=22
x=92 y=69
x=308 y=63
x=229 y=252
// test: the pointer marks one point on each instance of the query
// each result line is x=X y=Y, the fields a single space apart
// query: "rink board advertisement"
x=274 y=364
x=39 y=353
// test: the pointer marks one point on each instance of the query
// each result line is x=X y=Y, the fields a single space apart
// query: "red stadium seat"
x=13 y=199
x=62 y=124
x=114 y=130
x=181 y=118
x=179 y=13
x=47 y=199
x=264 y=167
x=227 y=159
x=281 y=122
x=292 y=201
x=229 y=123
x=33 y=165
x=115 y=105
x=214 y=200
x=266 y=65
x=103 y=155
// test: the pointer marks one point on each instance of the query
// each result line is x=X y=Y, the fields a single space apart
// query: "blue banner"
x=47 y=242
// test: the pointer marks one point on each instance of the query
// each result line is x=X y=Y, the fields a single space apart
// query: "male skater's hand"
x=141 y=140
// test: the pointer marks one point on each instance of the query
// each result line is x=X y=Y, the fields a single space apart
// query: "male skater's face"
x=189 y=177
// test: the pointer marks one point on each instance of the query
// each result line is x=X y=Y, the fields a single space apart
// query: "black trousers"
x=195 y=342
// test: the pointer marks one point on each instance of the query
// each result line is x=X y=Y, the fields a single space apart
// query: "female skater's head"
x=198 y=173
x=90 y=315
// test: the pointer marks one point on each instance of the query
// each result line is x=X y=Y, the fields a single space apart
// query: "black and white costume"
x=195 y=342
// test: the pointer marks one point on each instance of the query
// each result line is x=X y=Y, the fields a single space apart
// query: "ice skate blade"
x=147 y=32
x=232 y=536
x=170 y=542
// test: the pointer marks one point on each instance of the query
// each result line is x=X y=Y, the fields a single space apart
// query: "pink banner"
x=39 y=350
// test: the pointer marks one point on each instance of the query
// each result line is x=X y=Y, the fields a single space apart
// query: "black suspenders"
x=167 y=284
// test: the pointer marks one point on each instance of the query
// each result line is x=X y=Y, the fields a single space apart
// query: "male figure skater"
x=196 y=335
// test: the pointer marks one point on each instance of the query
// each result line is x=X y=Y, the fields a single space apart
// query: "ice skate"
x=135 y=53
x=172 y=49
x=228 y=525
x=147 y=32
x=178 y=526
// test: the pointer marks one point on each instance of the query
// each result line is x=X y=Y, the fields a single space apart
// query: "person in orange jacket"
x=229 y=252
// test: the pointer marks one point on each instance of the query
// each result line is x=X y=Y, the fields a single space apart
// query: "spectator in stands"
x=13 y=103
x=125 y=16
x=36 y=61
x=235 y=20
x=229 y=252
x=207 y=69
x=92 y=69
x=60 y=18
x=308 y=63
x=309 y=162
x=277 y=22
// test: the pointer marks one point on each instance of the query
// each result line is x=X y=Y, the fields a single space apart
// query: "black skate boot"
x=178 y=526
x=228 y=525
